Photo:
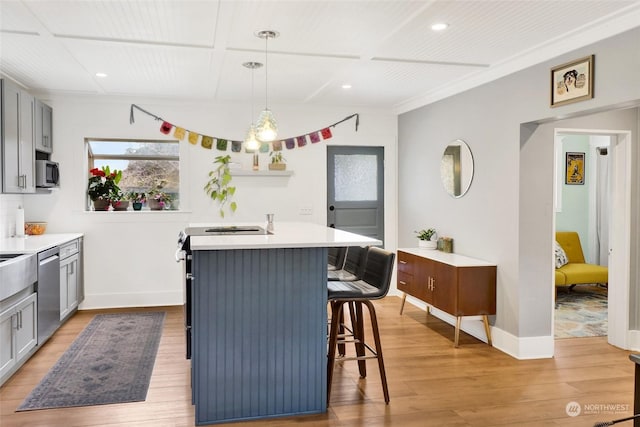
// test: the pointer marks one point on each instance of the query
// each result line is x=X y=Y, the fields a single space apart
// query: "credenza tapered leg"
x=485 y=320
x=457 y=335
x=404 y=299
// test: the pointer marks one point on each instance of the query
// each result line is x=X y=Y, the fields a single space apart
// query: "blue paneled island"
x=259 y=321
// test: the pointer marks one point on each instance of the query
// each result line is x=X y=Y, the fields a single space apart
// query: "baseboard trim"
x=522 y=348
x=133 y=299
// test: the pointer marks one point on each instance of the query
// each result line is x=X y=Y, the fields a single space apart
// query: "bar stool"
x=353 y=265
x=352 y=270
x=336 y=257
x=374 y=284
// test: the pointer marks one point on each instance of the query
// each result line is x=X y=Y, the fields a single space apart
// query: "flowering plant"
x=136 y=197
x=103 y=184
x=160 y=196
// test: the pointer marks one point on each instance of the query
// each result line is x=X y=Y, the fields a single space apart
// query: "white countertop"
x=285 y=235
x=33 y=244
x=456 y=260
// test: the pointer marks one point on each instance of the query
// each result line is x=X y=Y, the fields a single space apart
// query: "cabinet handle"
x=402 y=283
x=20 y=319
x=403 y=262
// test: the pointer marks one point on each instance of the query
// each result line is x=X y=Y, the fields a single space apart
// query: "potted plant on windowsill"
x=159 y=200
x=427 y=238
x=277 y=161
x=136 y=199
x=118 y=201
x=103 y=186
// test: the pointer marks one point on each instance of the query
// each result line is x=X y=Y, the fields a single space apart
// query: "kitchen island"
x=259 y=321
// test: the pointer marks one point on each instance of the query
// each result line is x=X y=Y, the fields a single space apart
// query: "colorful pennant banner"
x=222 y=144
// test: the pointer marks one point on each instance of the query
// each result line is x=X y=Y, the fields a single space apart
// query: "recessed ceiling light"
x=346 y=86
x=101 y=75
x=439 y=26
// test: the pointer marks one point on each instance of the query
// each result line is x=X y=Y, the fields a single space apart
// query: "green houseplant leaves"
x=218 y=187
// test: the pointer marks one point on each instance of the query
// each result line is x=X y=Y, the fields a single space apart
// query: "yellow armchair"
x=577 y=271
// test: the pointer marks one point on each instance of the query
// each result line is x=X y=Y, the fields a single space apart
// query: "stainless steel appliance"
x=48 y=289
x=184 y=255
x=47 y=174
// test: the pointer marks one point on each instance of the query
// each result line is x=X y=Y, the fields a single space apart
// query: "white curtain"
x=603 y=203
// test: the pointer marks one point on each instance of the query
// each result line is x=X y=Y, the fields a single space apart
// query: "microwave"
x=47 y=174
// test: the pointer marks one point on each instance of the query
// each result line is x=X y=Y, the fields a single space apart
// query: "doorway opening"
x=597 y=207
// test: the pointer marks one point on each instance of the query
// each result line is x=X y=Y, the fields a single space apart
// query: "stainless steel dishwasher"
x=48 y=293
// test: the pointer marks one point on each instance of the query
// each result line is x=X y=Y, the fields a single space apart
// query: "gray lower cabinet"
x=18 y=334
x=70 y=277
x=18 y=139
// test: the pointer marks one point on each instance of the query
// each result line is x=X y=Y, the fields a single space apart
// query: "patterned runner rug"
x=109 y=362
x=581 y=312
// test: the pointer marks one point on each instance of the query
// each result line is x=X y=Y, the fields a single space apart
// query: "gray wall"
x=574 y=215
x=507 y=215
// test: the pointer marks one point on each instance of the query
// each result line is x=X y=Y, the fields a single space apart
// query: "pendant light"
x=251 y=143
x=266 y=128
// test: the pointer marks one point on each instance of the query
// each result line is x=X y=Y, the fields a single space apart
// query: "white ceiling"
x=194 y=50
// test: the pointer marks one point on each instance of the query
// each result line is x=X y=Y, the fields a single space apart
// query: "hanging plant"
x=218 y=187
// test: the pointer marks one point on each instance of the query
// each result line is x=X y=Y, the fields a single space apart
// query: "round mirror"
x=456 y=168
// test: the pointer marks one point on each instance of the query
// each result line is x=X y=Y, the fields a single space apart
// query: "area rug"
x=109 y=362
x=581 y=312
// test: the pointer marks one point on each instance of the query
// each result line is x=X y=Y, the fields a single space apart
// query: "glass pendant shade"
x=267 y=128
x=250 y=142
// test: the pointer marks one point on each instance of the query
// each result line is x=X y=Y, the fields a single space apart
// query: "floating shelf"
x=243 y=172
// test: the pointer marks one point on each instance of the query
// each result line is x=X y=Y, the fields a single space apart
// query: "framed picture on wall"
x=574 y=172
x=572 y=82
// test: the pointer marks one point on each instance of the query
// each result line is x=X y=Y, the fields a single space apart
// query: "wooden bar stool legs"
x=361 y=347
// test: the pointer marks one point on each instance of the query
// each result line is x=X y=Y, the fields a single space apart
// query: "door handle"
x=332 y=208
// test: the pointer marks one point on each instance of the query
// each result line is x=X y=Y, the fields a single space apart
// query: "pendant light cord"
x=266 y=73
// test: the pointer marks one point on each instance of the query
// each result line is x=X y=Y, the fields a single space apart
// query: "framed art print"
x=572 y=82
x=574 y=172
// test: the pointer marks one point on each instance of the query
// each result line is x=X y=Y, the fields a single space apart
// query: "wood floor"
x=430 y=382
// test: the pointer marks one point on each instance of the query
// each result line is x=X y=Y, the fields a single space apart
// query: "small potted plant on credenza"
x=427 y=238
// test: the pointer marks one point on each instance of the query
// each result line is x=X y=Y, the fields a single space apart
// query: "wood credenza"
x=456 y=284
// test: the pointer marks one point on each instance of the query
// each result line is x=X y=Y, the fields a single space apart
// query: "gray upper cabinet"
x=44 y=133
x=18 y=139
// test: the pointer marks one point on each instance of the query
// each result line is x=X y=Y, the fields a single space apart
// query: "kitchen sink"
x=17 y=272
x=228 y=230
x=7 y=257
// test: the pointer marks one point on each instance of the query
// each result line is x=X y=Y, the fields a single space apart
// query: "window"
x=145 y=164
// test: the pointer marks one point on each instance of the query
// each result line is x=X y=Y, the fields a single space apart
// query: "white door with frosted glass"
x=355 y=190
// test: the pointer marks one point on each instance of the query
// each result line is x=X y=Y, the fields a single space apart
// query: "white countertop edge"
x=453 y=259
x=198 y=245
x=286 y=235
x=34 y=244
